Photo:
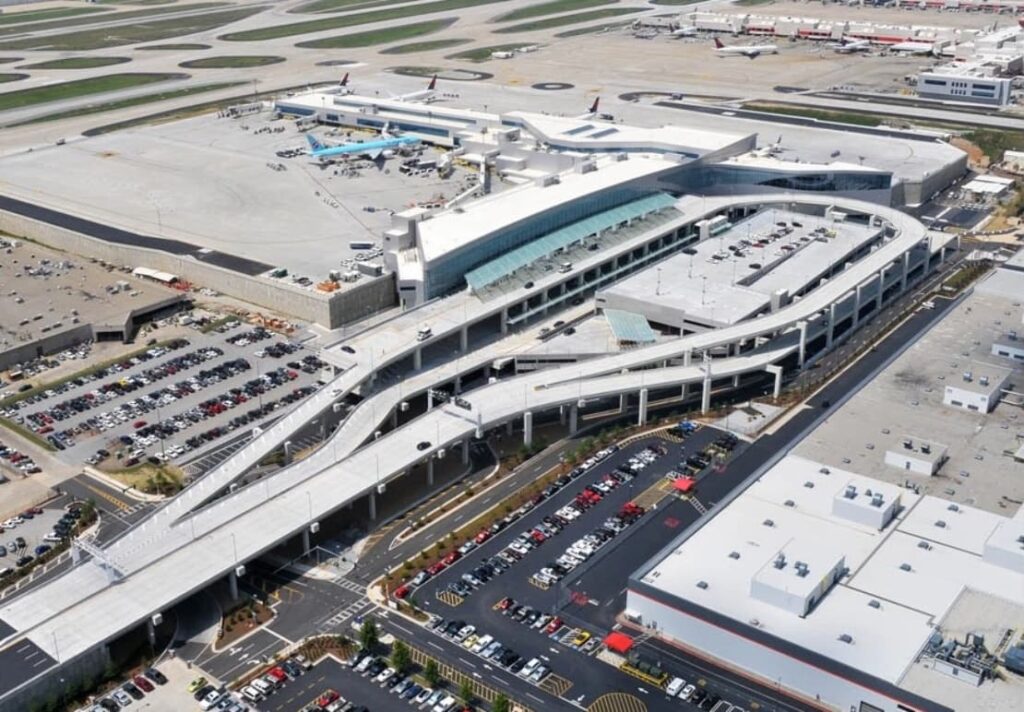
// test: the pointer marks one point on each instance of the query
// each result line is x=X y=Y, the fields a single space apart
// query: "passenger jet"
x=845 y=46
x=374 y=150
x=750 y=51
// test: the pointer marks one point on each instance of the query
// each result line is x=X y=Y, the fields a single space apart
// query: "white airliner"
x=750 y=51
x=424 y=95
x=845 y=46
x=685 y=31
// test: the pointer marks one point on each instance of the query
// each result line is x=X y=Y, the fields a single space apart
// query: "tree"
x=368 y=634
x=501 y=704
x=466 y=692
x=431 y=673
x=400 y=657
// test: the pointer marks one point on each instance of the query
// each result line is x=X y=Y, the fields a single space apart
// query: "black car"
x=109 y=704
x=422 y=445
x=132 y=690
x=348 y=349
x=24 y=561
x=203 y=692
x=156 y=676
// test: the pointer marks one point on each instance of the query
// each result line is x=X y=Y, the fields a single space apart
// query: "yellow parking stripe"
x=617 y=702
x=120 y=504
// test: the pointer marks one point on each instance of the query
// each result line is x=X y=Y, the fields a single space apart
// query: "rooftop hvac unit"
x=924 y=545
x=968 y=376
x=789 y=503
x=908 y=444
x=940 y=524
x=953 y=507
x=702 y=584
x=1013 y=336
x=801 y=569
x=809 y=485
x=874 y=603
x=850 y=492
x=983 y=380
x=926 y=448
x=734 y=554
x=876 y=501
x=780 y=561
x=846 y=638
x=768 y=523
x=905 y=567
x=825 y=471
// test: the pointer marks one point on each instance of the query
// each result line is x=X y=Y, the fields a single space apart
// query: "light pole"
x=234 y=546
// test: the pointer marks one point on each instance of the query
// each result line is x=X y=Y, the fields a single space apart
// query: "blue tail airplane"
x=373 y=150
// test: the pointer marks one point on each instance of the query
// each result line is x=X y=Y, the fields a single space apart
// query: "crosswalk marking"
x=344 y=614
x=352 y=586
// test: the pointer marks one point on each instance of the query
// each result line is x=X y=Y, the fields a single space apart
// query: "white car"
x=687 y=693
x=122 y=698
x=675 y=685
x=529 y=668
x=482 y=643
x=385 y=675
x=445 y=704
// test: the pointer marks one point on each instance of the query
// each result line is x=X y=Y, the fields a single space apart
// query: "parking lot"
x=537 y=596
x=328 y=685
x=27 y=535
x=173 y=399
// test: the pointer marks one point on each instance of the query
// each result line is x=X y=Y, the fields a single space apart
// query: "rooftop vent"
x=809 y=485
x=801 y=569
x=940 y=524
x=780 y=561
x=702 y=584
x=926 y=448
x=825 y=471
x=908 y=444
x=768 y=523
x=968 y=376
x=846 y=638
x=924 y=545
x=1012 y=335
x=874 y=603
x=905 y=567
x=876 y=501
x=953 y=507
x=789 y=503
x=850 y=492
x=734 y=554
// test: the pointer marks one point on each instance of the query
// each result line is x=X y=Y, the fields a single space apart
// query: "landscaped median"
x=572 y=19
x=381 y=36
x=81 y=87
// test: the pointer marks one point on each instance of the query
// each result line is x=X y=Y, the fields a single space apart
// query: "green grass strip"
x=152 y=31
x=79 y=87
x=55 y=13
x=381 y=36
x=426 y=46
x=26 y=433
x=11 y=77
x=362 y=18
x=78 y=63
x=566 y=20
x=232 y=62
x=105 y=18
x=325 y=6
x=550 y=8
x=128 y=103
x=172 y=46
x=592 y=29
x=482 y=54
x=677 y=2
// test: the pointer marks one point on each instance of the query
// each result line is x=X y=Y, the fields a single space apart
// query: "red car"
x=436 y=568
x=402 y=591
x=482 y=536
x=554 y=625
x=278 y=674
x=142 y=683
x=327 y=698
x=451 y=558
x=538 y=536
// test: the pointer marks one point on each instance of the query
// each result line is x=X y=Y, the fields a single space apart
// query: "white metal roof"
x=886 y=638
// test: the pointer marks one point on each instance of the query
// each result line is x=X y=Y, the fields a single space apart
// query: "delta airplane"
x=685 y=31
x=749 y=51
x=424 y=95
x=374 y=150
x=845 y=46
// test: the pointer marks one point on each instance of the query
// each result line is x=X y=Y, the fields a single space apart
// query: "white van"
x=674 y=686
x=424 y=333
x=565 y=267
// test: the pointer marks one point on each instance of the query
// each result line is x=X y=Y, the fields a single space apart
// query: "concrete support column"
x=642 y=415
x=682 y=392
x=802 y=356
x=458 y=385
x=687 y=355
x=942 y=254
x=777 y=372
x=830 y=334
x=623 y=402
x=306 y=543
x=504 y=321
x=417 y=359
x=150 y=632
x=906 y=272
x=233 y=585
x=464 y=339
x=373 y=506
x=430 y=400
x=856 y=307
x=430 y=472
x=736 y=381
x=394 y=418
x=287 y=452
x=561 y=414
x=528 y=428
x=509 y=427
x=465 y=451
x=881 y=288
x=574 y=415
x=705 y=396
x=323 y=427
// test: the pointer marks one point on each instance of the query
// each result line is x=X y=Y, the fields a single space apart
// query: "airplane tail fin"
x=433 y=84
x=718 y=44
x=593 y=107
x=344 y=81
x=314 y=145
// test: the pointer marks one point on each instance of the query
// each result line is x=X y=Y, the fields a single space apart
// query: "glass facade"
x=825 y=181
x=449 y=271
